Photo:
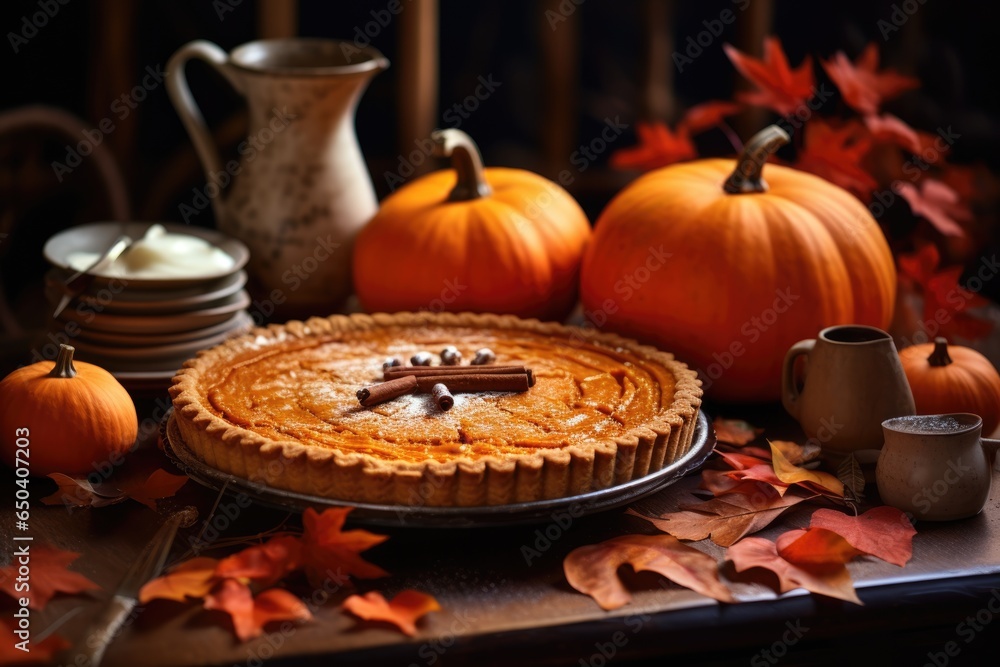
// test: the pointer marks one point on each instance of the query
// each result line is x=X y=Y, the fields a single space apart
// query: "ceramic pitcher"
x=936 y=467
x=852 y=382
x=300 y=190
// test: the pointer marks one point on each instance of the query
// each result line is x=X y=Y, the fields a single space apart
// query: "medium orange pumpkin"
x=473 y=239
x=952 y=378
x=708 y=261
x=68 y=416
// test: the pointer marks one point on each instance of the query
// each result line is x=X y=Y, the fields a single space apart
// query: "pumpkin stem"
x=64 y=363
x=939 y=356
x=466 y=161
x=747 y=178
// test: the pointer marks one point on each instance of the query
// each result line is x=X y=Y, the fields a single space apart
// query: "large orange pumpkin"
x=708 y=261
x=952 y=378
x=65 y=417
x=473 y=239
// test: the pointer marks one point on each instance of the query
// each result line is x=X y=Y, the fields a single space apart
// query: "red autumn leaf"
x=889 y=129
x=836 y=153
x=741 y=461
x=658 y=147
x=725 y=519
x=49 y=574
x=938 y=204
x=263 y=564
x=39 y=652
x=249 y=614
x=815 y=548
x=862 y=86
x=884 y=532
x=754 y=552
x=593 y=569
x=159 y=484
x=735 y=431
x=403 y=611
x=191 y=579
x=720 y=482
x=761 y=473
x=816 y=480
x=780 y=88
x=327 y=548
x=705 y=116
x=74 y=492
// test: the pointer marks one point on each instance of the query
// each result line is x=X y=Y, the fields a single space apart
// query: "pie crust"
x=277 y=407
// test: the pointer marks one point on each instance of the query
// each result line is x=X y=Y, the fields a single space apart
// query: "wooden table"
x=503 y=604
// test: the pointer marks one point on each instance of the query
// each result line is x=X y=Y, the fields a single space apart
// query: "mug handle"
x=992 y=448
x=187 y=108
x=789 y=391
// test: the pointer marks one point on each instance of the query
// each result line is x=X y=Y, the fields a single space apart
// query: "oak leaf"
x=403 y=611
x=658 y=146
x=884 y=532
x=328 y=550
x=194 y=578
x=862 y=86
x=754 y=552
x=50 y=574
x=159 y=484
x=250 y=614
x=815 y=480
x=593 y=569
x=43 y=652
x=735 y=431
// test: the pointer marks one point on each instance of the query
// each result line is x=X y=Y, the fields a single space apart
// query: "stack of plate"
x=143 y=330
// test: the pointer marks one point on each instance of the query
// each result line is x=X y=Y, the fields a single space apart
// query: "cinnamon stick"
x=464 y=383
x=442 y=396
x=386 y=391
x=398 y=371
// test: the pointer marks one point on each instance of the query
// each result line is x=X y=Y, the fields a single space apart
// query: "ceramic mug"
x=936 y=467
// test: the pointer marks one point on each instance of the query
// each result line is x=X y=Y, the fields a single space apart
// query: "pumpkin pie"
x=279 y=407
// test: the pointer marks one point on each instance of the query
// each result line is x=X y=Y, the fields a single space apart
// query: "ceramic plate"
x=239 y=322
x=541 y=511
x=153 y=354
x=217 y=313
x=98 y=237
x=147 y=302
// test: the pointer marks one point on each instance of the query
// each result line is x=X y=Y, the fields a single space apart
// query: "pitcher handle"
x=992 y=448
x=187 y=108
x=789 y=390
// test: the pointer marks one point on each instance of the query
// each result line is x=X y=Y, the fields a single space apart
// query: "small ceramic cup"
x=936 y=467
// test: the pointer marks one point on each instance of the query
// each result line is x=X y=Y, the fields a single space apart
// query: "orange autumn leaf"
x=50 y=574
x=263 y=564
x=740 y=461
x=73 y=492
x=328 y=549
x=815 y=548
x=250 y=614
x=795 y=453
x=862 y=86
x=41 y=652
x=817 y=480
x=719 y=483
x=883 y=532
x=159 y=484
x=706 y=115
x=763 y=473
x=938 y=204
x=779 y=87
x=754 y=552
x=735 y=431
x=403 y=611
x=725 y=519
x=836 y=154
x=658 y=147
x=593 y=569
x=191 y=579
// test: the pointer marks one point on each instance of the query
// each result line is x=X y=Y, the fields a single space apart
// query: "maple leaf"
x=326 y=548
x=780 y=88
x=754 y=552
x=815 y=548
x=263 y=564
x=42 y=652
x=159 y=484
x=725 y=519
x=658 y=147
x=593 y=569
x=835 y=154
x=250 y=614
x=861 y=85
x=735 y=431
x=938 y=204
x=74 y=492
x=191 y=579
x=49 y=575
x=889 y=129
x=884 y=532
x=817 y=480
x=403 y=611
x=705 y=116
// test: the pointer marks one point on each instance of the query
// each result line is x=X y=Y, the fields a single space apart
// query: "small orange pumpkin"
x=708 y=261
x=952 y=378
x=473 y=239
x=67 y=416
